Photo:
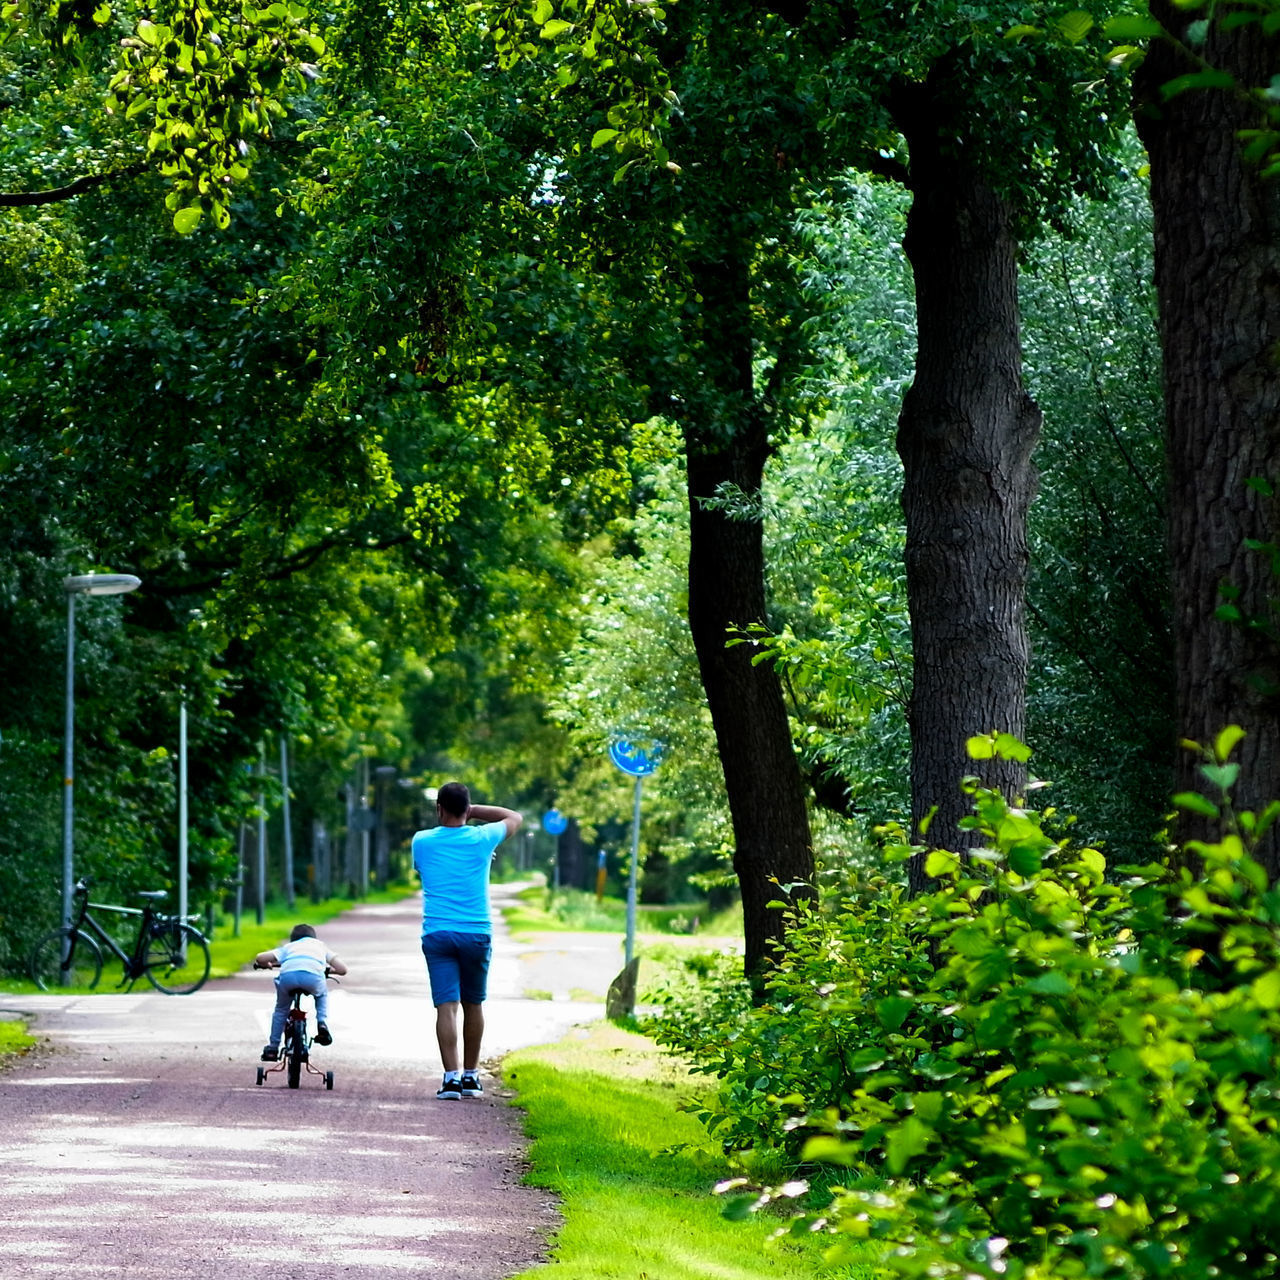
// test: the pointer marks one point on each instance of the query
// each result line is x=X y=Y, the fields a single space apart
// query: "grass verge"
x=539 y=910
x=230 y=954
x=14 y=1038
x=634 y=1173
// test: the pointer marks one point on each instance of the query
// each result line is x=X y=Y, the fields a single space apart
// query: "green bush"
x=1055 y=1069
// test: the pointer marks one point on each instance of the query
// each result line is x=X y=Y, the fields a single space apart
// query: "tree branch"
x=26 y=199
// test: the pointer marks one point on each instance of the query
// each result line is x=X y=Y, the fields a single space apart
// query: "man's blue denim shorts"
x=458 y=965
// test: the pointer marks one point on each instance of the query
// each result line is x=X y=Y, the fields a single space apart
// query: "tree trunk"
x=965 y=436
x=1217 y=267
x=727 y=442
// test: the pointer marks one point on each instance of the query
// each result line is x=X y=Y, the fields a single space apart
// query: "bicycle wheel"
x=177 y=958
x=295 y=1052
x=84 y=963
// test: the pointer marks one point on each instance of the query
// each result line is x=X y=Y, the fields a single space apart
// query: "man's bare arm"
x=496 y=813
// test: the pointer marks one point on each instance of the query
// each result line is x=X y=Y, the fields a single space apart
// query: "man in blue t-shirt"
x=453 y=862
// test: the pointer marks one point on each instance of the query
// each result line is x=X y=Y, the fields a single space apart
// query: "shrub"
x=1056 y=1070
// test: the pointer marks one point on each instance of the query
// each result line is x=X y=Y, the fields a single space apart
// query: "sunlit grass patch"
x=634 y=1172
x=13 y=1037
x=541 y=910
x=230 y=954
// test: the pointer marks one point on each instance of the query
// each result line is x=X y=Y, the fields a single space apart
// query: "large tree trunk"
x=1217 y=265
x=727 y=443
x=965 y=436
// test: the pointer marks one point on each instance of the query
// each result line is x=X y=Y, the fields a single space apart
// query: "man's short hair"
x=454 y=799
x=301 y=931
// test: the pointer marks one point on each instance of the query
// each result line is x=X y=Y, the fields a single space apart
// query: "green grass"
x=577 y=911
x=635 y=1173
x=14 y=1038
x=229 y=954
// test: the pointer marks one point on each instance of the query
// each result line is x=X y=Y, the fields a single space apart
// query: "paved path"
x=138 y=1144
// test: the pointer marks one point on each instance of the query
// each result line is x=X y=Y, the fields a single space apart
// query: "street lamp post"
x=85 y=584
x=382 y=851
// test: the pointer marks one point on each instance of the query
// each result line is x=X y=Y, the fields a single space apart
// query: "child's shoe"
x=322 y=1034
x=270 y=1053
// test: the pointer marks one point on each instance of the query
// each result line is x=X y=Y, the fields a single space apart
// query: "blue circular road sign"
x=554 y=822
x=636 y=759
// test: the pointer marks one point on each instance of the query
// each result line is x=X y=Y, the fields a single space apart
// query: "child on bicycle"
x=302 y=962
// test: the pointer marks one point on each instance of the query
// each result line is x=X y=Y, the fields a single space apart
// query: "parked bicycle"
x=295 y=1047
x=170 y=953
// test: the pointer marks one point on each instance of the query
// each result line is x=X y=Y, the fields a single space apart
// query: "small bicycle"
x=295 y=1054
x=170 y=953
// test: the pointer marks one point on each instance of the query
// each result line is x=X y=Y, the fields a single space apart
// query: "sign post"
x=554 y=823
x=637 y=760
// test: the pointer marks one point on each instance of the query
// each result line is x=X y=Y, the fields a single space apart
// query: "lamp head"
x=101 y=584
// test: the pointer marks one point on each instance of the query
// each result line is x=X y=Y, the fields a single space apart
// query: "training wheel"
x=262 y=1076
x=328 y=1079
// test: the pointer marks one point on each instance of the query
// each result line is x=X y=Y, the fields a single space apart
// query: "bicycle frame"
x=134 y=965
x=171 y=953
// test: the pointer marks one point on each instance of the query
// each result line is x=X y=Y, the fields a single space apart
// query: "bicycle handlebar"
x=328 y=973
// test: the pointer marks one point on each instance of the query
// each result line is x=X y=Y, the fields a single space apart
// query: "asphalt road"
x=135 y=1143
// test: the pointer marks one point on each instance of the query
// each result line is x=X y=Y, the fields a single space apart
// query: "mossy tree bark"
x=1217 y=269
x=727 y=444
x=965 y=435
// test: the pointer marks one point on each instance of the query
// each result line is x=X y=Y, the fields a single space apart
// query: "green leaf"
x=980 y=747
x=909 y=1139
x=556 y=27
x=1010 y=748
x=1221 y=775
x=1194 y=802
x=928 y=1106
x=1210 y=78
x=185 y=221
x=927 y=820
x=1124 y=55
x=1094 y=862
x=1021 y=32
x=1199 y=901
x=1225 y=743
x=941 y=862
x=601 y=136
x=826 y=1150
x=1052 y=983
x=1075 y=25
x=623 y=171
x=869 y=1059
x=1266 y=989
x=892 y=1011
x=1132 y=26
x=1024 y=860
